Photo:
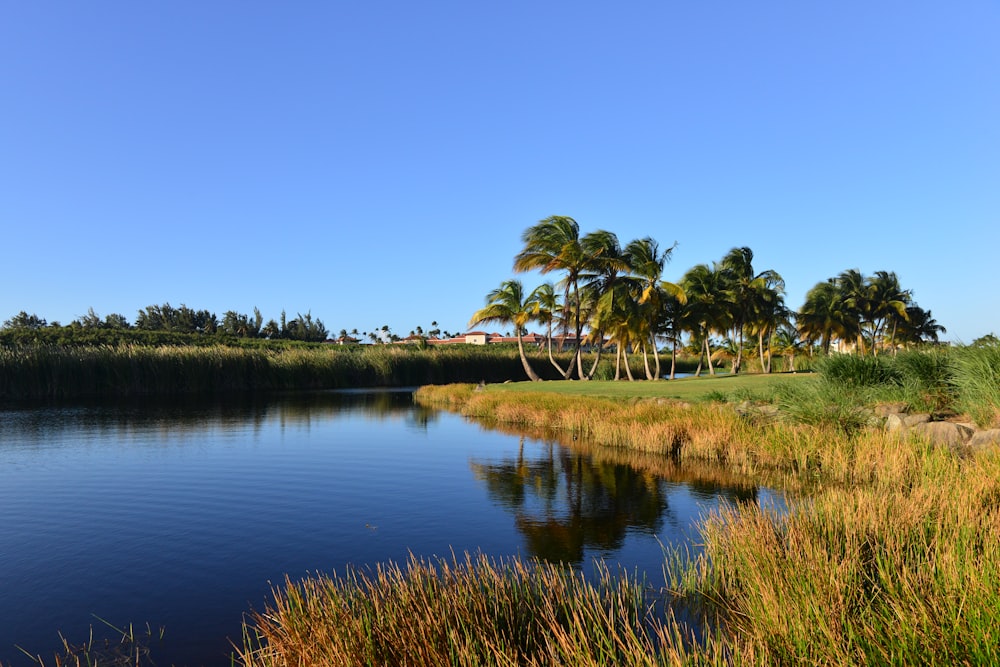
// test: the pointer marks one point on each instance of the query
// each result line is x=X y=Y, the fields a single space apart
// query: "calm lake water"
x=180 y=514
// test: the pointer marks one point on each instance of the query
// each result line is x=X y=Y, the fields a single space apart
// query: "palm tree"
x=707 y=307
x=919 y=326
x=788 y=343
x=605 y=265
x=856 y=298
x=554 y=245
x=647 y=262
x=887 y=304
x=618 y=314
x=746 y=289
x=546 y=306
x=826 y=315
x=507 y=305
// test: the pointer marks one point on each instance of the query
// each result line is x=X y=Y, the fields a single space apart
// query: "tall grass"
x=977 y=378
x=130 y=370
x=880 y=574
x=476 y=611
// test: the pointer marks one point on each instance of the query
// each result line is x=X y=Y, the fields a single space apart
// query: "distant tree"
x=305 y=328
x=988 y=340
x=116 y=321
x=271 y=330
x=89 y=321
x=240 y=325
x=25 y=321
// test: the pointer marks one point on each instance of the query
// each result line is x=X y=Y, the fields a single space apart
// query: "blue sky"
x=376 y=163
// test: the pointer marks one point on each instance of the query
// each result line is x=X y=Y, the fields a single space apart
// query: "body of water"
x=181 y=515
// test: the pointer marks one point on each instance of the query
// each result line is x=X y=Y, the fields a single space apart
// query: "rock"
x=985 y=439
x=909 y=421
x=894 y=422
x=946 y=434
x=887 y=409
x=769 y=411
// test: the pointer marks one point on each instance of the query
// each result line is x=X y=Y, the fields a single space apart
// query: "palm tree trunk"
x=645 y=362
x=760 y=351
x=597 y=359
x=673 y=358
x=559 y=368
x=628 y=366
x=618 y=361
x=708 y=353
x=579 y=332
x=524 y=360
x=656 y=357
x=738 y=364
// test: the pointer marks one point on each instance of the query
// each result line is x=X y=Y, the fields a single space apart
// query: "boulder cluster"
x=945 y=430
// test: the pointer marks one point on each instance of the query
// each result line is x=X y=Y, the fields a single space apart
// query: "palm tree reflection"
x=564 y=502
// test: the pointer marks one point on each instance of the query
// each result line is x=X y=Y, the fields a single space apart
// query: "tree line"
x=613 y=296
x=185 y=320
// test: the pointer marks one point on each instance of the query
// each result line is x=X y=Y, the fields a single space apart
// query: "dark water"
x=180 y=515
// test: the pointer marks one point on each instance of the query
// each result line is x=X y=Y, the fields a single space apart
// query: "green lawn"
x=688 y=389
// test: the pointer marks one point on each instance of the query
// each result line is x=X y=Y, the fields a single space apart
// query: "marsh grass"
x=879 y=574
x=473 y=611
x=30 y=372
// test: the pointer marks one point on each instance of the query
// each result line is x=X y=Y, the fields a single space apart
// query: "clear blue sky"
x=377 y=162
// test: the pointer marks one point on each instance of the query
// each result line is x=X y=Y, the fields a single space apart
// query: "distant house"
x=476 y=337
x=412 y=339
x=484 y=338
x=343 y=340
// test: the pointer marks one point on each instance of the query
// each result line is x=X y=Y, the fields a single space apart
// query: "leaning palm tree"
x=546 y=303
x=554 y=245
x=507 y=305
x=605 y=264
x=647 y=262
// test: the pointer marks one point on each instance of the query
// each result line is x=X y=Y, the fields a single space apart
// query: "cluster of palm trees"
x=613 y=296
x=866 y=313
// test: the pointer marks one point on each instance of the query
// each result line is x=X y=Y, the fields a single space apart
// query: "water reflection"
x=194 y=416
x=564 y=502
x=568 y=497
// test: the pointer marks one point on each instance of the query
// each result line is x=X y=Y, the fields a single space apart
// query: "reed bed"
x=474 y=611
x=31 y=372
